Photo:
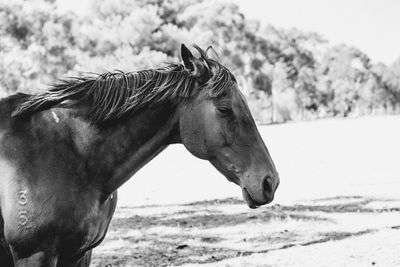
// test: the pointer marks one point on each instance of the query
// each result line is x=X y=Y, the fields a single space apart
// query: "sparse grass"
x=201 y=233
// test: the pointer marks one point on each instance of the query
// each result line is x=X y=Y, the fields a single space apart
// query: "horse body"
x=47 y=200
x=60 y=174
x=64 y=153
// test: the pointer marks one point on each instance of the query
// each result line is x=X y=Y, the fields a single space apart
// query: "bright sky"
x=371 y=25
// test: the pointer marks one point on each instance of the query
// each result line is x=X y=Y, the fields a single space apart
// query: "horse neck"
x=127 y=146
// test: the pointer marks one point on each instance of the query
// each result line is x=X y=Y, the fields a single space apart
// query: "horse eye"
x=223 y=94
x=225 y=111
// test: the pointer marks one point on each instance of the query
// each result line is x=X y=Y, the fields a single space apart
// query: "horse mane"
x=112 y=95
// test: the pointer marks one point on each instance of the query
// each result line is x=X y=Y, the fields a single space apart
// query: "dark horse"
x=65 y=152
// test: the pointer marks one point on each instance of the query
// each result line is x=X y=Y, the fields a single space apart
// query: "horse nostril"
x=267 y=186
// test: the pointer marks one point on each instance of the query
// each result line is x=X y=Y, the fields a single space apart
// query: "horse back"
x=8 y=105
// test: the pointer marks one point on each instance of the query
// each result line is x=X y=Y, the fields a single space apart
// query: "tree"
x=285 y=74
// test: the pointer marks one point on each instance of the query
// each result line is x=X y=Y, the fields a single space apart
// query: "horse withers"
x=65 y=152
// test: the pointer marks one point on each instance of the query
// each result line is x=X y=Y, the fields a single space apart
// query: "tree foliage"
x=285 y=74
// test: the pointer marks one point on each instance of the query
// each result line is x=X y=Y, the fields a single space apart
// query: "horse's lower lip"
x=250 y=201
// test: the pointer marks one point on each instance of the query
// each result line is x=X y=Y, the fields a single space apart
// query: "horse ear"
x=187 y=58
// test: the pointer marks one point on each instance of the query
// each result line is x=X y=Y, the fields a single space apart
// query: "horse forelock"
x=111 y=95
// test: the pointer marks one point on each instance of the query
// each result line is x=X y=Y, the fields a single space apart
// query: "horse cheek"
x=192 y=136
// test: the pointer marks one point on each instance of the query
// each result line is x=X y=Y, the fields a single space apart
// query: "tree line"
x=285 y=74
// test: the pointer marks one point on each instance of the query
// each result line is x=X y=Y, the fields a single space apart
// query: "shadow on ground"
x=210 y=231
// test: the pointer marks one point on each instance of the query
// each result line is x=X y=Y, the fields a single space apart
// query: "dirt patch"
x=202 y=232
x=165 y=251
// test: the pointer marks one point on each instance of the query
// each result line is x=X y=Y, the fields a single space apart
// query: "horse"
x=65 y=152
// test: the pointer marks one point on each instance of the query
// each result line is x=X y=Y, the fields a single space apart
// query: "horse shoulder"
x=66 y=124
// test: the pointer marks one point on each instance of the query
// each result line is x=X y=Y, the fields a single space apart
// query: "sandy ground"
x=337 y=205
x=377 y=249
x=341 y=231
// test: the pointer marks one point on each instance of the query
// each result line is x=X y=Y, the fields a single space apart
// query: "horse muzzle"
x=261 y=197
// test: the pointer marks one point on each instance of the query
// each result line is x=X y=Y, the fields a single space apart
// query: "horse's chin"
x=249 y=200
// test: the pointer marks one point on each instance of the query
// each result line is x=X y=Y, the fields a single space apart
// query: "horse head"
x=216 y=125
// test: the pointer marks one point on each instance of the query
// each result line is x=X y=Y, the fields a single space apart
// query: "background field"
x=339 y=192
